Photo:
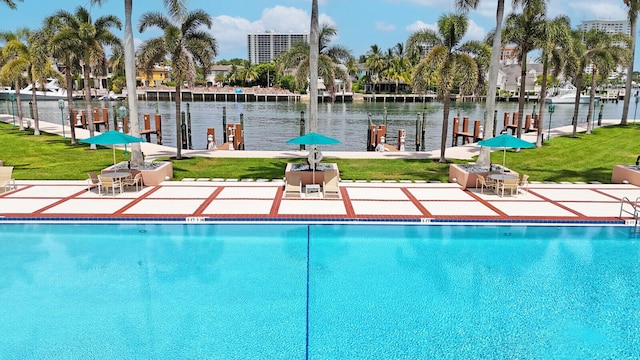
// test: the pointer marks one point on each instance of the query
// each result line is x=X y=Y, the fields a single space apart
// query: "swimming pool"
x=318 y=291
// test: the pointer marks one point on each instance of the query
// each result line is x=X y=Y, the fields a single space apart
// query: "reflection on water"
x=268 y=125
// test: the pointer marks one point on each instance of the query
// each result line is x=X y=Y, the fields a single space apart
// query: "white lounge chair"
x=6 y=181
x=136 y=180
x=293 y=186
x=330 y=185
x=93 y=180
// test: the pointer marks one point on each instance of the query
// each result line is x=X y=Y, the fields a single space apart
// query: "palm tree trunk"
x=627 y=91
x=592 y=95
x=72 y=120
x=137 y=160
x=523 y=83
x=178 y=123
x=19 y=104
x=543 y=97
x=87 y=99
x=484 y=158
x=576 y=105
x=34 y=101
x=445 y=125
x=313 y=68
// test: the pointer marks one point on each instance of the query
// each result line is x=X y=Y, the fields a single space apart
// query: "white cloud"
x=419 y=25
x=383 y=26
x=231 y=32
x=475 y=32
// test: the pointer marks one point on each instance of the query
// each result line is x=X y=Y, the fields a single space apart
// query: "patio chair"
x=508 y=184
x=93 y=180
x=330 y=184
x=485 y=183
x=136 y=180
x=6 y=181
x=524 y=182
x=293 y=186
x=110 y=183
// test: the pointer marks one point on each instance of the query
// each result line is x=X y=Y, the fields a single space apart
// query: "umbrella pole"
x=114 y=154
x=504 y=158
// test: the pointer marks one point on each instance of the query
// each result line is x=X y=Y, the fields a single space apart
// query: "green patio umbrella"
x=112 y=138
x=504 y=142
x=313 y=139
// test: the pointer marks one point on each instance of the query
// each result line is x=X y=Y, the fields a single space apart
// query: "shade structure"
x=112 y=138
x=504 y=142
x=313 y=138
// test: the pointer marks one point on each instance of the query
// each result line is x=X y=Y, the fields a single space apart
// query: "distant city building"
x=264 y=47
x=610 y=27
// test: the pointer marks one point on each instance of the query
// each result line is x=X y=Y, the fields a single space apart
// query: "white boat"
x=566 y=95
x=52 y=91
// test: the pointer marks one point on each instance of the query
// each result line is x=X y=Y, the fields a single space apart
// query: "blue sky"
x=360 y=23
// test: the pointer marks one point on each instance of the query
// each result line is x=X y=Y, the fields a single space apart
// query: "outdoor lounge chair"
x=524 y=182
x=110 y=183
x=510 y=185
x=6 y=181
x=93 y=180
x=293 y=186
x=136 y=180
x=330 y=185
x=484 y=183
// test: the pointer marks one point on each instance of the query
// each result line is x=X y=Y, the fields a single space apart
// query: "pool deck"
x=211 y=199
x=263 y=201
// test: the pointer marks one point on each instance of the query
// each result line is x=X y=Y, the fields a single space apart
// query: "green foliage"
x=48 y=157
x=118 y=83
x=287 y=82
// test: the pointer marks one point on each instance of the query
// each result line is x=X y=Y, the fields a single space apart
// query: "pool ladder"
x=634 y=205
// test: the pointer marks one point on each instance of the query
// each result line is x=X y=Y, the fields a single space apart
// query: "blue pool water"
x=318 y=292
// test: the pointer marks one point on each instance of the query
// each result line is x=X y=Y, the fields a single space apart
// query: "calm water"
x=322 y=291
x=268 y=125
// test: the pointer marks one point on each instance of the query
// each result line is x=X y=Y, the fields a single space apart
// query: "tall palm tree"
x=329 y=59
x=174 y=6
x=555 y=37
x=90 y=38
x=186 y=45
x=605 y=52
x=14 y=66
x=314 y=56
x=633 y=8
x=375 y=63
x=445 y=58
x=398 y=66
x=525 y=30
x=31 y=57
x=67 y=55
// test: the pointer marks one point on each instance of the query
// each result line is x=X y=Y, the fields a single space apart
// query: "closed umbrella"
x=112 y=138
x=313 y=139
x=504 y=142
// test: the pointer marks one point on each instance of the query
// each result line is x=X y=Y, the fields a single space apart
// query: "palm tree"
x=446 y=59
x=67 y=54
x=634 y=7
x=14 y=66
x=314 y=57
x=555 y=37
x=375 y=63
x=31 y=57
x=525 y=30
x=89 y=38
x=185 y=44
x=174 y=6
x=329 y=58
x=605 y=52
x=398 y=66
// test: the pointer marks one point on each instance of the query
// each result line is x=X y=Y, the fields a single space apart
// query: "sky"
x=360 y=23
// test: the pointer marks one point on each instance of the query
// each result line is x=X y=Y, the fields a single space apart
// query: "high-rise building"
x=610 y=27
x=264 y=47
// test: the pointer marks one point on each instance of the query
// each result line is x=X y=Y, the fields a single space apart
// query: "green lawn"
x=586 y=158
